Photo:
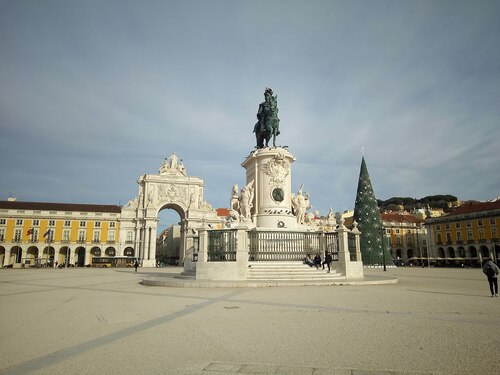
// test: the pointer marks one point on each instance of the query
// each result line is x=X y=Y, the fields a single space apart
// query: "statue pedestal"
x=270 y=169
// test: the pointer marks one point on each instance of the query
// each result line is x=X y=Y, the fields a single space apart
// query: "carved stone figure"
x=172 y=166
x=278 y=168
x=245 y=201
x=234 y=200
x=300 y=203
x=133 y=203
x=268 y=122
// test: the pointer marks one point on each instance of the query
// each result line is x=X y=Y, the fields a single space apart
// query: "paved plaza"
x=104 y=321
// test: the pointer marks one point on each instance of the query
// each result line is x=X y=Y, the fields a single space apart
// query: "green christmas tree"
x=367 y=215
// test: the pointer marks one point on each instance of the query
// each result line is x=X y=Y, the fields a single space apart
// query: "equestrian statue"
x=268 y=122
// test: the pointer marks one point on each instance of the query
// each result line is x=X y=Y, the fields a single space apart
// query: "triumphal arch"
x=172 y=189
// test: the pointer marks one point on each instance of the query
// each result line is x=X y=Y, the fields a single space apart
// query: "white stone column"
x=344 y=255
x=356 y=234
x=242 y=248
x=87 y=256
x=203 y=244
x=7 y=260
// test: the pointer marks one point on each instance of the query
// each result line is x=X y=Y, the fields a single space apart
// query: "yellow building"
x=467 y=235
x=406 y=237
x=41 y=234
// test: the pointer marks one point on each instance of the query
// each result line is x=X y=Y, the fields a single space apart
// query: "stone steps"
x=289 y=271
x=190 y=274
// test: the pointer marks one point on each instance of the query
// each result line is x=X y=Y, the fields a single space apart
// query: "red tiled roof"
x=222 y=212
x=45 y=206
x=470 y=207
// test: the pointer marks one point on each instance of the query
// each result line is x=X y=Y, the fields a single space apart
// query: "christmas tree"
x=367 y=215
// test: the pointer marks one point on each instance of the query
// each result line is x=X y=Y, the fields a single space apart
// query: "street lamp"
x=382 y=231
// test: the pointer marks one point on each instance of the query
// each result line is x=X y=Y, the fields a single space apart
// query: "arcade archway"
x=173 y=190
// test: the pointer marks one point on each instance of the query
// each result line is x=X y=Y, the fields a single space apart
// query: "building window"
x=493 y=232
x=112 y=224
x=17 y=235
x=438 y=227
x=397 y=231
x=83 y=223
x=111 y=235
x=479 y=223
x=448 y=237
x=492 y=221
x=439 y=237
x=457 y=225
x=81 y=236
x=459 y=236
x=481 y=234
x=19 y=222
x=398 y=241
x=36 y=222
x=34 y=235
x=52 y=223
x=97 y=224
x=66 y=235
x=97 y=236
x=469 y=235
x=447 y=226
x=130 y=236
x=67 y=223
x=2 y=235
x=468 y=224
x=388 y=231
x=2 y=221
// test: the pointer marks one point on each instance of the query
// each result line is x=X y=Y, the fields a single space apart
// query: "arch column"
x=6 y=259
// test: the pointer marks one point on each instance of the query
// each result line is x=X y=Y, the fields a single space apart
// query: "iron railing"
x=332 y=245
x=269 y=246
x=221 y=245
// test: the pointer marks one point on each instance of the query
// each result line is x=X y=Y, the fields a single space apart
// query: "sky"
x=94 y=94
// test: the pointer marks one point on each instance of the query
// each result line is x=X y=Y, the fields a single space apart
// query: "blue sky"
x=94 y=94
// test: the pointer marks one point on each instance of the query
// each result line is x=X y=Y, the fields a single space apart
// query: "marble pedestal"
x=270 y=169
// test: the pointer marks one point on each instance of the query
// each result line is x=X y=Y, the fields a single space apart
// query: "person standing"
x=136 y=264
x=491 y=270
x=327 y=261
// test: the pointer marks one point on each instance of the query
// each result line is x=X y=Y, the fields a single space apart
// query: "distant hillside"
x=445 y=202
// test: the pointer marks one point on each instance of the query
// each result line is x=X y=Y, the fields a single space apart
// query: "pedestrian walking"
x=327 y=261
x=491 y=270
x=136 y=264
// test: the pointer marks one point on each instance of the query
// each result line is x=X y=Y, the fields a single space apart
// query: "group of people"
x=316 y=261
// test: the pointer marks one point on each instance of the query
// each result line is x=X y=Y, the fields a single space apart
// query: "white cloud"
x=94 y=95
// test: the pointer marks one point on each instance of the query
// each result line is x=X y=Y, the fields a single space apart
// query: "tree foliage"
x=433 y=201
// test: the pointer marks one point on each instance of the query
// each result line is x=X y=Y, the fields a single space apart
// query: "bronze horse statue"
x=268 y=124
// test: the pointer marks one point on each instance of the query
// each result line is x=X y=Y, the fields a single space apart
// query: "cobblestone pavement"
x=103 y=321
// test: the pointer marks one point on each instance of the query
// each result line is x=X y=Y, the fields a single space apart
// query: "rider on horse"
x=268 y=124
